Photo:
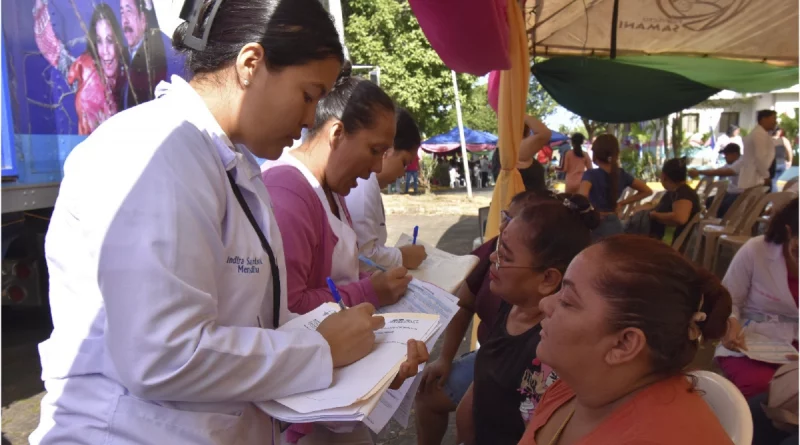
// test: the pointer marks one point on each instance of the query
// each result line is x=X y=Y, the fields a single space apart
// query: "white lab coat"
x=758 y=282
x=159 y=287
x=369 y=222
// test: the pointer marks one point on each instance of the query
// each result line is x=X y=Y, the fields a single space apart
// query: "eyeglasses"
x=498 y=263
x=505 y=218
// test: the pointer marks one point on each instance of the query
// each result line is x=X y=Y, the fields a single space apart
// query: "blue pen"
x=416 y=232
x=371 y=263
x=335 y=292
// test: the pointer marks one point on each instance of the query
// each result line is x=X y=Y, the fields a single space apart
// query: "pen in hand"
x=416 y=232
x=371 y=263
x=336 y=296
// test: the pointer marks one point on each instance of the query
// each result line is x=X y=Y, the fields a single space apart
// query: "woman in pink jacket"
x=353 y=128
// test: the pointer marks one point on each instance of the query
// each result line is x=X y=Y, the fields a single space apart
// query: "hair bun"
x=717 y=305
x=579 y=205
x=346 y=72
x=178 y=37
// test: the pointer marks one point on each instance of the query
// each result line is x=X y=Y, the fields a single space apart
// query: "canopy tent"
x=653 y=45
x=732 y=29
x=476 y=141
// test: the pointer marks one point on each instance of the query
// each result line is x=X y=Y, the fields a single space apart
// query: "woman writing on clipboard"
x=167 y=276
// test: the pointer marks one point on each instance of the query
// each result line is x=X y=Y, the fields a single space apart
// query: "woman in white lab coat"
x=763 y=282
x=366 y=204
x=167 y=271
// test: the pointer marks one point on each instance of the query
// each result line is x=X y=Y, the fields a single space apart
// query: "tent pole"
x=467 y=173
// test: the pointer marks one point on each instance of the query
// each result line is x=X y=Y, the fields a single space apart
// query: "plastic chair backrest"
x=483 y=216
x=678 y=244
x=704 y=186
x=728 y=404
x=749 y=219
x=625 y=211
x=721 y=188
x=746 y=200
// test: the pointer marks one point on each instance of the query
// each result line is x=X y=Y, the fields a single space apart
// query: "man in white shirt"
x=759 y=151
x=731 y=171
x=366 y=204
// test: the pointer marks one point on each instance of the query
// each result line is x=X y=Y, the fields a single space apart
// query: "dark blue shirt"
x=598 y=195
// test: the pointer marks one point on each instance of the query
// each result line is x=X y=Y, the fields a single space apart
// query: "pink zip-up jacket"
x=308 y=243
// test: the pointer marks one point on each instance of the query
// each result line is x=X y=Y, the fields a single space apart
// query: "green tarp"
x=639 y=88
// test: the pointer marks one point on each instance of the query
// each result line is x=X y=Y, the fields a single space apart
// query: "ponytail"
x=577 y=140
x=606 y=150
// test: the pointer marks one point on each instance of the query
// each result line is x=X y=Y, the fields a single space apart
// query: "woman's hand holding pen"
x=351 y=333
x=734 y=337
x=390 y=285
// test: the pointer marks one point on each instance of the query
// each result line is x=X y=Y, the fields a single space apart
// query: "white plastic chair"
x=728 y=404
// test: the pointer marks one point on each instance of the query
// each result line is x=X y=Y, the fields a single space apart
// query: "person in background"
x=731 y=170
x=762 y=280
x=445 y=381
x=97 y=75
x=412 y=173
x=484 y=168
x=366 y=204
x=604 y=185
x=148 y=60
x=354 y=127
x=783 y=157
x=758 y=150
x=534 y=251
x=731 y=136
x=679 y=204
x=574 y=164
x=628 y=320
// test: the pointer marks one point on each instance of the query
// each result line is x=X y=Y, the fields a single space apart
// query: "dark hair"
x=292 y=32
x=732 y=147
x=104 y=12
x=354 y=101
x=763 y=114
x=786 y=216
x=731 y=129
x=652 y=287
x=577 y=140
x=605 y=148
x=530 y=196
x=675 y=169
x=406 y=137
x=558 y=228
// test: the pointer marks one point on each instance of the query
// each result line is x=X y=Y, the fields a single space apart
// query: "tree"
x=386 y=33
x=475 y=111
x=593 y=127
x=540 y=103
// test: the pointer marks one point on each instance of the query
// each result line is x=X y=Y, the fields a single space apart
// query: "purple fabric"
x=470 y=36
x=308 y=243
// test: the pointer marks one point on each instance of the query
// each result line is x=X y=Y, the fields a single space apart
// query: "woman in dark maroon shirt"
x=445 y=381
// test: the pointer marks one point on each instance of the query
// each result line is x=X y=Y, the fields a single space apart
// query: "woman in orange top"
x=626 y=322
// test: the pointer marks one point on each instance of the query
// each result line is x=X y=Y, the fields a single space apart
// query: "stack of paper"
x=442 y=269
x=421 y=298
x=356 y=388
x=770 y=351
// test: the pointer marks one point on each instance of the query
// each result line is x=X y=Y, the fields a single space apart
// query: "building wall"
x=783 y=101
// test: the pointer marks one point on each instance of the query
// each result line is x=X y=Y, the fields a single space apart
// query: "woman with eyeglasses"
x=532 y=255
x=445 y=380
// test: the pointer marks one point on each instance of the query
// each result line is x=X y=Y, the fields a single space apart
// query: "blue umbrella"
x=476 y=141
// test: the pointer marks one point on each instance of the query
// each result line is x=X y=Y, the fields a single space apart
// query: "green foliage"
x=540 y=103
x=386 y=33
x=789 y=125
x=475 y=111
x=427 y=170
x=642 y=167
